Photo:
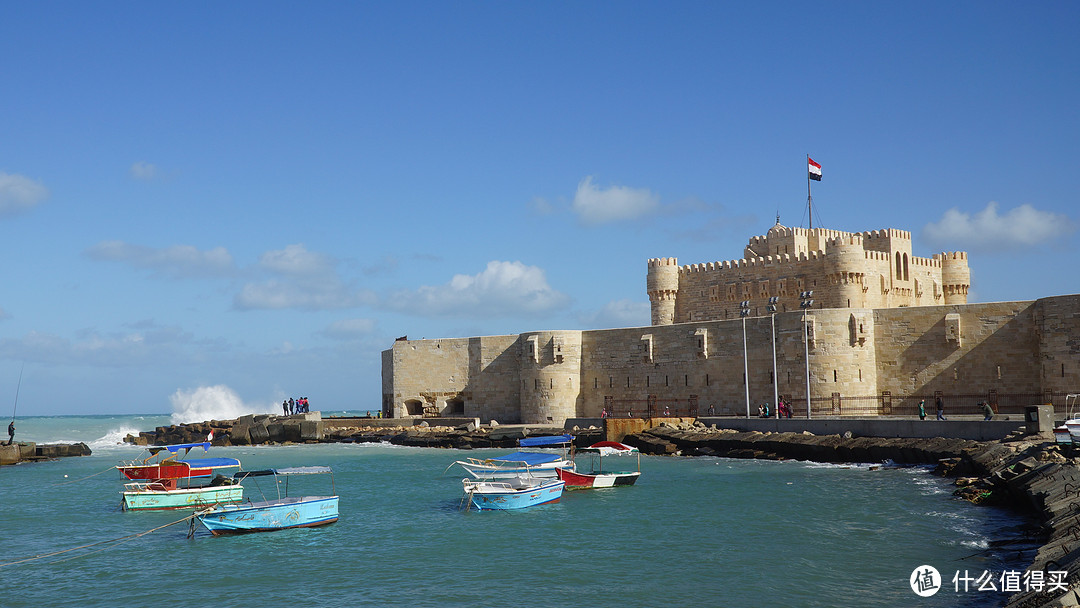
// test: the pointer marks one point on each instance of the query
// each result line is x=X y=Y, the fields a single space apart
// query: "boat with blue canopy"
x=278 y=513
x=518 y=464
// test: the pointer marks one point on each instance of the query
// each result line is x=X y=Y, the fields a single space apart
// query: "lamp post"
x=775 y=384
x=744 y=311
x=805 y=302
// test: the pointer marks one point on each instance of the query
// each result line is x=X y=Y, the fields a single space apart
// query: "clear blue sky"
x=242 y=201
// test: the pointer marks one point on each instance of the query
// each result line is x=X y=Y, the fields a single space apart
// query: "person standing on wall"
x=940 y=408
x=988 y=412
x=11 y=431
x=922 y=409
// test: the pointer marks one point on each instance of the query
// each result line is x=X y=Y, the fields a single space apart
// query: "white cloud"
x=296 y=260
x=349 y=329
x=501 y=289
x=180 y=261
x=621 y=313
x=144 y=171
x=1023 y=226
x=19 y=193
x=596 y=206
x=304 y=280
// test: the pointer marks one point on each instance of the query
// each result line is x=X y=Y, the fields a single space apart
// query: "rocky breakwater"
x=1028 y=473
x=28 y=451
x=312 y=428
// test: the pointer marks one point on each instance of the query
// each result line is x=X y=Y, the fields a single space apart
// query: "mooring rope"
x=115 y=541
x=64 y=483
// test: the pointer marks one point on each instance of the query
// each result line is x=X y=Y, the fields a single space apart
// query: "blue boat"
x=512 y=493
x=522 y=464
x=278 y=514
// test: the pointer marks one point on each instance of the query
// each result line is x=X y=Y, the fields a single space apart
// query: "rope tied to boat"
x=112 y=542
x=64 y=483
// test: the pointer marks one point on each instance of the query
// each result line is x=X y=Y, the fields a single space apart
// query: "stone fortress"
x=885 y=330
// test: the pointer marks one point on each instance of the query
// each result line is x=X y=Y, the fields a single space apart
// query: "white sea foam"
x=114 y=437
x=211 y=403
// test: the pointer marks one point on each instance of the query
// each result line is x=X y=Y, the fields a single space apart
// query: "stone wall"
x=546 y=377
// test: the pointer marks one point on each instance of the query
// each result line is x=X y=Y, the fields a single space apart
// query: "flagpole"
x=809 y=206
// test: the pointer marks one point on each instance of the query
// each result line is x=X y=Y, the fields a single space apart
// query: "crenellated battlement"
x=870 y=269
x=657 y=262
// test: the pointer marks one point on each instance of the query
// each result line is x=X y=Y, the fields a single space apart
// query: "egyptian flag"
x=815 y=170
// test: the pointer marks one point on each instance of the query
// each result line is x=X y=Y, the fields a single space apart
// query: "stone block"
x=240 y=434
x=311 y=430
x=259 y=433
x=276 y=431
x=9 y=454
x=292 y=430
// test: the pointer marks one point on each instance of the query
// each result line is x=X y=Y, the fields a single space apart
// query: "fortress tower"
x=550 y=376
x=662 y=283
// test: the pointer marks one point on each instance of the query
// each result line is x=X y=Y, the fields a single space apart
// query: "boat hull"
x=495 y=496
x=267 y=516
x=574 y=479
x=184 y=498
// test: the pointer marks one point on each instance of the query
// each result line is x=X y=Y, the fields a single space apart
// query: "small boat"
x=164 y=494
x=511 y=493
x=518 y=464
x=277 y=514
x=1069 y=432
x=595 y=476
x=167 y=462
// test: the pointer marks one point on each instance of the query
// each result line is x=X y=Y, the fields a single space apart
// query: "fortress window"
x=834 y=376
x=536 y=384
x=596 y=383
x=648 y=381
x=707 y=375
x=771 y=379
x=611 y=381
x=665 y=381
x=905 y=267
x=628 y=382
x=686 y=380
x=551 y=383
x=899 y=268
x=1062 y=370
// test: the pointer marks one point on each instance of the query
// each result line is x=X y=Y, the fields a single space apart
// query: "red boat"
x=166 y=463
x=595 y=476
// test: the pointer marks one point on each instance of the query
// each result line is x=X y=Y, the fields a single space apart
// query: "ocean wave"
x=212 y=403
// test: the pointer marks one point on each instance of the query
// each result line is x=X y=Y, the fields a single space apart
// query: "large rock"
x=311 y=430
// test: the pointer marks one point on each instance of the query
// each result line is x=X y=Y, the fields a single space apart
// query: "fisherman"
x=11 y=431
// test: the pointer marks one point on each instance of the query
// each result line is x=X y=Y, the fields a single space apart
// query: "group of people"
x=295 y=406
x=984 y=407
x=783 y=409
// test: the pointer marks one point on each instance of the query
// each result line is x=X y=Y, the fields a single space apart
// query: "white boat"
x=512 y=493
x=594 y=475
x=139 y=496
x=521 y=464
x=1070 y=431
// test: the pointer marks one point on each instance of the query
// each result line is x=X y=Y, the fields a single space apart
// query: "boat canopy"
x=532 y=442
x=212 y=463
x=609 y=448
x=154 y=449
x=284 y=471
x=529 y=458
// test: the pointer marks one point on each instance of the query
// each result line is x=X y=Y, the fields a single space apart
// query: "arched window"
x=905 y=267
x=899 y=268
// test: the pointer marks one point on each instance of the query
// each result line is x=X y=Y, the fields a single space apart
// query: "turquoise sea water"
x=692 y=532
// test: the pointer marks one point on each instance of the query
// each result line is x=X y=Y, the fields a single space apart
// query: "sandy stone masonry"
x=883 y=322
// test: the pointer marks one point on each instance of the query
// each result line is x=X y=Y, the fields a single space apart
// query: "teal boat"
x=280 y=513
x=511 y=493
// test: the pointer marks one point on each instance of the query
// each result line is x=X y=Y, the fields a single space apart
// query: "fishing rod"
x=17 y=387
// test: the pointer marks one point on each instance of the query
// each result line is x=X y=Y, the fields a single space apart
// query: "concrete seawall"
x=28 y=451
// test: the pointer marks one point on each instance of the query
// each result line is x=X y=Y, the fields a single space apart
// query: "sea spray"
x=211 y=403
